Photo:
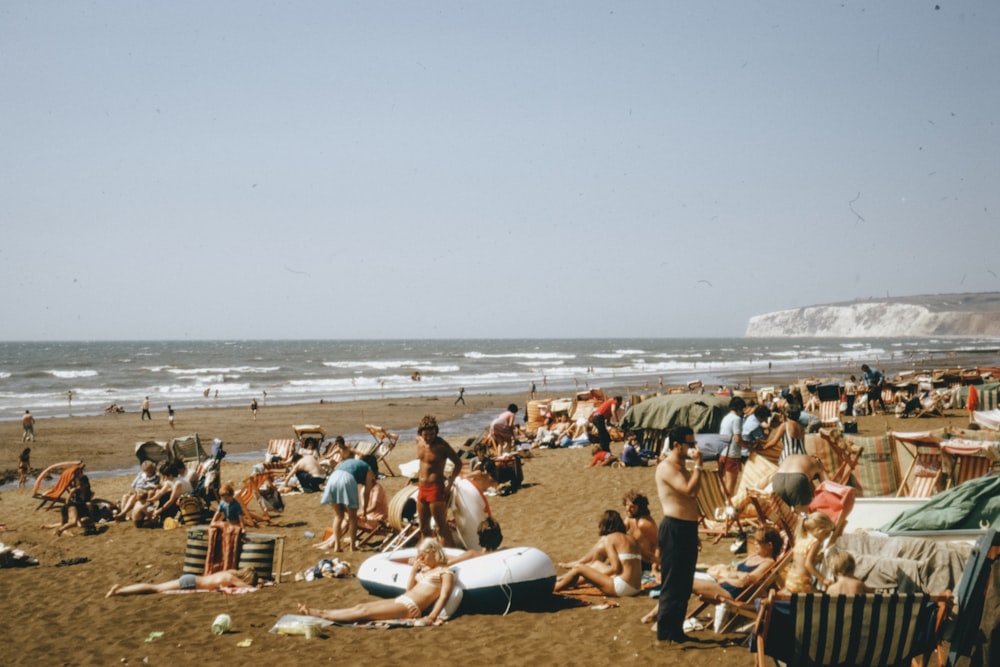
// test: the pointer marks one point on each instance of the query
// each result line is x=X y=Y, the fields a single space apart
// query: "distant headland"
x=929 y=315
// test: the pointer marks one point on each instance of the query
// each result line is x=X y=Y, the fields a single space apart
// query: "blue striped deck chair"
x=870 y=630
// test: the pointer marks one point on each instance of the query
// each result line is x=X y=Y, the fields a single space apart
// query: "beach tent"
x=702 y=412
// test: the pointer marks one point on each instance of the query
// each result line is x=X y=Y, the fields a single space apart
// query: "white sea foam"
x=69 y=375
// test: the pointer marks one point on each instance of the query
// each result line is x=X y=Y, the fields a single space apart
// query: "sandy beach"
x=59 y=615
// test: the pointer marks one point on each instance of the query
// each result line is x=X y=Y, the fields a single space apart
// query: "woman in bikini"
x=613 y=565
x=429 y=586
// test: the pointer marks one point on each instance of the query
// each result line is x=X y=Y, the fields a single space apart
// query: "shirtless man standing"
x=793 y=480
x=678 y=532
x=433 y=486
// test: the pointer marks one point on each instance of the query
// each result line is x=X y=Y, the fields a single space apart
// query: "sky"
x=245 y=170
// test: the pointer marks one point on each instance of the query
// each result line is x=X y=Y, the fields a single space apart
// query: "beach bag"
x=270 y=498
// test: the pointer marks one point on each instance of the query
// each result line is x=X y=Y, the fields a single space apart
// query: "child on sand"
x=842 y=569
x=230 y=510
x=245 y=578
x=802 y=575
x=429 y=586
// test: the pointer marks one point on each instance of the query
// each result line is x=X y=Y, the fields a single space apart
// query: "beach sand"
x=59 y=615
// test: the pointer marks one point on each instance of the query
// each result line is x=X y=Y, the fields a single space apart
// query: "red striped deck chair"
x=772 y=510
x=385 y=442
x=54 y=495
x=873 y=630
x=829 y=404
x=279 y=453
x=250 y=493
x=925 y=476
x=965 y=460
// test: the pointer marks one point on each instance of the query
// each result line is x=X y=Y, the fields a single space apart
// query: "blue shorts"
x=188 y=582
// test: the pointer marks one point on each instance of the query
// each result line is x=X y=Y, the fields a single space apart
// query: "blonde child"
x=842 y=570
x=802 y=575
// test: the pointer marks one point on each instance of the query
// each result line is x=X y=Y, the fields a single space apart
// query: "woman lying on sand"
x=245 y=578
x=430 y=584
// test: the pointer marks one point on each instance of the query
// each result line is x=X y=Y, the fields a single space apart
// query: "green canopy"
x=702 y=412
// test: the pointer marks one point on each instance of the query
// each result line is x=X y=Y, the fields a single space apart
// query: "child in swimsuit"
x=802 y=575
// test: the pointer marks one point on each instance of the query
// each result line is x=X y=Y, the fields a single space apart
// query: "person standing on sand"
x=23 y=467
x=170 y=415
x=605 y=414
x=677 y=488
x=28 y=424
x=145 y=410
x=461 y=396
x=253 y=408
x=793 y=480
x=433 y=487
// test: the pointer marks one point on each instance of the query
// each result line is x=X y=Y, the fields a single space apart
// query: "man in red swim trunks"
x=433 y=486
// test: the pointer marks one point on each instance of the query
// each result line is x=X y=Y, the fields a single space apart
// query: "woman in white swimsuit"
x=430 y=585
x=613 y=565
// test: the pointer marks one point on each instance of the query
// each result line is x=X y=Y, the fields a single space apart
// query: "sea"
x=56 y=379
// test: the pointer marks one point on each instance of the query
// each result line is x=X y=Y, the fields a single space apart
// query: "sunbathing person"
x=306 y=473
x=642 y=528
x=622 y=575
x=724 y=583
x=429 y=587
x=245 y=578
x=147 y=480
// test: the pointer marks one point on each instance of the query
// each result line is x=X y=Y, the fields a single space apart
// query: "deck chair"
x=772 y=510
x=839 y=453
x=757 y=473
x=279 y=453
x=877 y=470
x=712 y=505
x=871 y=630
x=925 y=476
x=829 y=404
x=382 y=447
x=965 y=460
x=250 y=492
x=55 y=495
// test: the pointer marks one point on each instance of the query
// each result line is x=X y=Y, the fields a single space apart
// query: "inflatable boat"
x=516 y=578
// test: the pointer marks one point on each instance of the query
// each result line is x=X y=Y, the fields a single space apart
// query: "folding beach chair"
x=965 y=459
x=772 y=510
x=251 y=492
x=279 y=453
x=871 y=630
x=925 y=476
x=757 y=473
x=55 y=495
x=384 y=443
x=829 y=404
x=839 y=453
x=713 y=504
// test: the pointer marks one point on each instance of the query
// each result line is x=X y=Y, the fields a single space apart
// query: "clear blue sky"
x=487 y=169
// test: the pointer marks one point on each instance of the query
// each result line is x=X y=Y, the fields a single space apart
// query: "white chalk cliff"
x=948 y=315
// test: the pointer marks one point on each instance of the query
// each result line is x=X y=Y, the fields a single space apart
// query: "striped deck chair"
x=384 y=444
x=871 y=630
x=829 y=404
x=54 y=496
x=250 y=493
x=279 y=453
x=772 y=510
x=925 y=476
x=839 y=453
x=877 y=471
x=757 y=473
x=712 y=504
x=965 y=460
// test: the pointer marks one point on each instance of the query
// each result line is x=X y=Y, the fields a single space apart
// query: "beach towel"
x=224 y=543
